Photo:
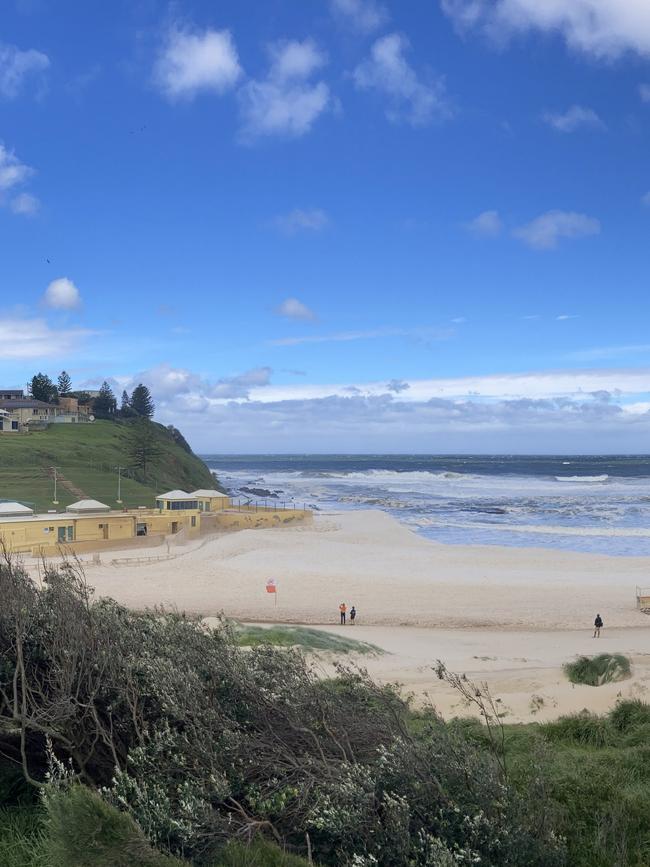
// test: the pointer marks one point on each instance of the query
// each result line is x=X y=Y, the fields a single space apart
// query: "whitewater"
x=592 y=504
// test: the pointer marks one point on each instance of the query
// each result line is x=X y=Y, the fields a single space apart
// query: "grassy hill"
x=87 y=457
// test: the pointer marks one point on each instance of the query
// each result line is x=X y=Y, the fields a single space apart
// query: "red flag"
x=270 y=586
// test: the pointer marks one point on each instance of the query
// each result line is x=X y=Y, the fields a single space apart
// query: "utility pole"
x=119 y=484
x=54 y=501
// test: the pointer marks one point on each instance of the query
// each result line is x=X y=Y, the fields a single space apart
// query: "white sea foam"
x=602 y=478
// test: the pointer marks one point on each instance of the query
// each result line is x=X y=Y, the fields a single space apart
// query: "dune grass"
x=300 y=636
x=596 y=670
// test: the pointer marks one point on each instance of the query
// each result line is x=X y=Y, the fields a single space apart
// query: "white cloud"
x=546 y=231
x=292 y=308
x=487 y=225
x=557 y=411
x=605 y=29
x=365 y=16
x=347 y=336
x=25 y=204
x=563 y=317
x=33 y=338
x=16 y=66
x=310 y=219
x=286 y=102
x=410 y=100
x=12 y=171
x=191 y=62
x=644 y=92
x=62 y=294
x=576 y=117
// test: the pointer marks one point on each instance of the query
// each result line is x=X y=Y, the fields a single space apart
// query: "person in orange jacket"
x=343 y=608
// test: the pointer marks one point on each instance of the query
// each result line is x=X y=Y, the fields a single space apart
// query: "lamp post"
x=119 y=484
x=54 y=501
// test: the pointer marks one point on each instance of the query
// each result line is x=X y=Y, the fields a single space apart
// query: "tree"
x=42 y=388
x=125 y=406
x=141 y=401
x=105 y=405
x=64 y=384
x=142 y=445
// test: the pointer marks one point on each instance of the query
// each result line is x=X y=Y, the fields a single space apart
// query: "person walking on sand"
x=353 y=614
x=598 y=625
x=343 y=608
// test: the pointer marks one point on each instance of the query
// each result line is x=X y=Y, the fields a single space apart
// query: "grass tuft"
x=300 y=636
x=596 y=670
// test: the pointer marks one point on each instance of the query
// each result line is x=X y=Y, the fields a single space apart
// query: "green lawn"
x=87 y=455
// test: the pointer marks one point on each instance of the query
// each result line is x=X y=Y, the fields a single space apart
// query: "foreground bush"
x=596 y=670
x=201 y=743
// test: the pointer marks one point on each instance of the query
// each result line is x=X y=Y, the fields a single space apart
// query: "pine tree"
x=105 y=405
x=64 y=384
x=141 y=402
x=125 y=406
x=142 y=445
x=42 y=388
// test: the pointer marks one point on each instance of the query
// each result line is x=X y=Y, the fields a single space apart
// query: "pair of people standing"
x=343 y=608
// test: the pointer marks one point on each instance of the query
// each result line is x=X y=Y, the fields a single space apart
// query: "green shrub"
x=84 y=831
x=580 y=728
x=596 y=670
x=630 y=714
x=22 y=842
x=258 y=854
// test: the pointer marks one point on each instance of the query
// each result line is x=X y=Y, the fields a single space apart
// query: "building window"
x=70 y=534
x=14 y=425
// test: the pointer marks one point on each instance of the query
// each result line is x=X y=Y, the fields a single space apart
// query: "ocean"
x=592 y=503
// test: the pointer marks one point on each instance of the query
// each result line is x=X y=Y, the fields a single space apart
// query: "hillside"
x=86 y=458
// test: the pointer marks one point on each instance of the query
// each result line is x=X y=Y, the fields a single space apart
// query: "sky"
x=335 y=225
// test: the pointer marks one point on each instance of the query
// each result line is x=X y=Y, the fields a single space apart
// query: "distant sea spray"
x=594 y=504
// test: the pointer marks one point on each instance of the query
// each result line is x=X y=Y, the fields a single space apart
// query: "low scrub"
x=300 y=636
x=200 y=744
x=596 y=670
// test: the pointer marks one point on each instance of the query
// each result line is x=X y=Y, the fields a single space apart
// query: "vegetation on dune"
x=87 y=456
x=159 y=741
x=248 y=635
x=202 y=743
x=596 y=670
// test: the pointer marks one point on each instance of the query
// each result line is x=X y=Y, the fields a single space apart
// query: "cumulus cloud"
x=287 y=102
x=364 y=16
x=33 y=338
x=487 y=225
x=546 y=231
x=12 y=171
x=605 y=29
x=397 y=385
x=17 y=66
x=62 y=294
x=574 y=118
x=194 y=61
x=299 y=220
x=410 y=100
x=292 y=308
x=25 y=204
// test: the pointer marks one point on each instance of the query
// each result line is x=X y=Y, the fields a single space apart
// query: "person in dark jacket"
x=353 y=614
x=598 y=625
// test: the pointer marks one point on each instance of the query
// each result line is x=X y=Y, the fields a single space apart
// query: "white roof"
x=175 y=495
x=203 y=493
x=15 y=509
x=89 y=506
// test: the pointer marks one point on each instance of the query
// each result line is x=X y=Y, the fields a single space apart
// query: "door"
x=60 y=535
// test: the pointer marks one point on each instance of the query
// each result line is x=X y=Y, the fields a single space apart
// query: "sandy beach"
x=509 y=616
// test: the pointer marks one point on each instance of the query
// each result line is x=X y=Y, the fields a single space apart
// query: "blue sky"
x=336 y=225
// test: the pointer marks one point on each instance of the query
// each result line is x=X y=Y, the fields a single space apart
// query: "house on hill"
x=20 y=413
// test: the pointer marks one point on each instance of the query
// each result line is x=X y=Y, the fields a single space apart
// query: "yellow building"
x=212 y=501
